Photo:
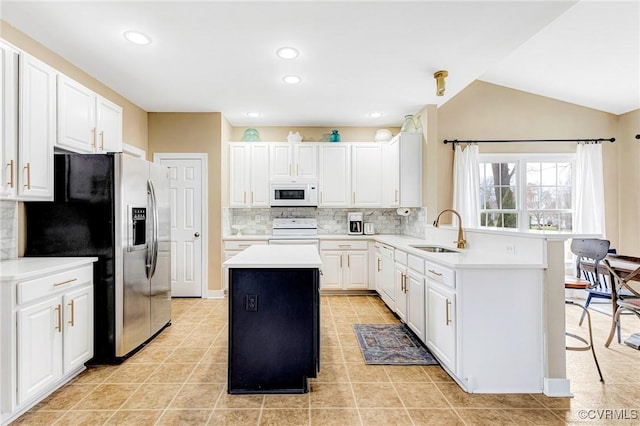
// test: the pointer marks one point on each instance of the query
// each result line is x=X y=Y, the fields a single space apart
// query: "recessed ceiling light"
x=292 y=79
x=254 y=114
x=287 y=53
x=375 y=115
x=137 y=38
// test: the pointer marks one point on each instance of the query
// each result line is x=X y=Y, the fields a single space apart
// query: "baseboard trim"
x=215 y=294
x=557 y=387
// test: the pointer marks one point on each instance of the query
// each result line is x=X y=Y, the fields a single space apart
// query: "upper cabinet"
x=87 y=122
x=36 y=128
x=335 y=175
x=402 y=171
x=294 y=161
x=249 y=175
x=366 y=176
x=8 y=120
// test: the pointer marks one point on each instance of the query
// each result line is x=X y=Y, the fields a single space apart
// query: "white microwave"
x=293 y=194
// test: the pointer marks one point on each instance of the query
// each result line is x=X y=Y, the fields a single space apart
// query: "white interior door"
x=188 y=236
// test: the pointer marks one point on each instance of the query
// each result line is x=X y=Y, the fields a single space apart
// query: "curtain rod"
x=455 y=141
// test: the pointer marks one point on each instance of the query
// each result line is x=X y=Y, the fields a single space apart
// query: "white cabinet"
x=294 y=161
x=36 y=129
x=345 y=265
x=46 y=328
x=39 y=347
x=441 y=314
x=400 y=280
x=230 y=249
x=335 y=175
x=402 y=171
x=8 y=120
x=385 y=283
x=249 y=175
x=416 y=304
x=366 y=176
x=87 y=122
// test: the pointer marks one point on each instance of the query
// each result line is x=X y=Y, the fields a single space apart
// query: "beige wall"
x=196 y=133
x=135 y=118
x=487 y=111
x=628 y=183
x=312 y=134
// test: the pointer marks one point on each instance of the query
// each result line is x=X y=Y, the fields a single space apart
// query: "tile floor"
x=180 y=378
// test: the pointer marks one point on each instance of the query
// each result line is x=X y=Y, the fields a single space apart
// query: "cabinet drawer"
x=383 y=250
x=416 y=263
x=40 y=287
x=440 y=274
x=242 y=244
x=343 y=245
x=401 y=257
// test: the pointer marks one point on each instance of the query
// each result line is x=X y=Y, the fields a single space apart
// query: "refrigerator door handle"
x=154 y=211
x=149 y=245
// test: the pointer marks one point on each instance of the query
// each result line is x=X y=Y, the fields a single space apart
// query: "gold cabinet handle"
x=244 y=198
x=59 y=311
x=297 y=169
x=28 y=169
x=448 y=312
x=72 y=320
x=102 y=140
x=435 y=273
x=379 y=264
x=10 y=165
x=341 y=261
x=65 y=282
x=320 y=197
x=252 y=198
x=348 y=261
x=289 y=169
x=396 y=196
x=353 y=197
x=344 y=245
x=93 y=137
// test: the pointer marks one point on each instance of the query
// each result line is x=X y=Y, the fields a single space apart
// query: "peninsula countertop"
x=276 y=256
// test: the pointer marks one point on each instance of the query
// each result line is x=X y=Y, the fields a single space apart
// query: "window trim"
x=521 y=187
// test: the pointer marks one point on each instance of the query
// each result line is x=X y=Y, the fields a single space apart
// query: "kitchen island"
x=274 y=319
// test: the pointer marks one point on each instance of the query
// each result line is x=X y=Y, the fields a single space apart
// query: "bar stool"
x=594 y=250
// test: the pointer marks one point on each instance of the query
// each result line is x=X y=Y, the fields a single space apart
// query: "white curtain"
x=466 y=185
x=589 y=209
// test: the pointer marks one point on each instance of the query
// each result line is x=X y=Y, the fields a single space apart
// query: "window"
x=527 y=192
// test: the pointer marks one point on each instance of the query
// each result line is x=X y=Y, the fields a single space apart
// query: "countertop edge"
x=28 y=267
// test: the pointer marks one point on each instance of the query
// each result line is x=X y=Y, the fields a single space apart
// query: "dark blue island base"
x=274 y=329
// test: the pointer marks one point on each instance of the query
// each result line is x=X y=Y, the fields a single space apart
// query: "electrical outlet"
x=251 y=303
x=510 y=248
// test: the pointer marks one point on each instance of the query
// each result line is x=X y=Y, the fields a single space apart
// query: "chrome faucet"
x=461 y=241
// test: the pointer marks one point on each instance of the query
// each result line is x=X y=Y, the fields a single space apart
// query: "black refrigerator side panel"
x=80 y=222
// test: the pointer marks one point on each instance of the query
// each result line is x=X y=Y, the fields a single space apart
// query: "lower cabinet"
x=441 y=332
x=385 y=273
x=47 y=332
x=415 y=304
x=400 y=281
x=345 y=265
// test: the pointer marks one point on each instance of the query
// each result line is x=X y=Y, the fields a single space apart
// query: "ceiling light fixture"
x=287 y=53
x=440 y=76
x=254 y=114
x=375 y=115
x=292 y=79
x=137 y=38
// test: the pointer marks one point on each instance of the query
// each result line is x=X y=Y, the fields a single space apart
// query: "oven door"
x=297 y=241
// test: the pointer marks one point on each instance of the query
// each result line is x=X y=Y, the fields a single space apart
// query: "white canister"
x=369 y=228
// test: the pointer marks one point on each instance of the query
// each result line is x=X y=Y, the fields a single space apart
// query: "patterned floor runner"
x=391 y=344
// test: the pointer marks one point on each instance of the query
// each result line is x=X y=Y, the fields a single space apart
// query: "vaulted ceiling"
x=355 y=57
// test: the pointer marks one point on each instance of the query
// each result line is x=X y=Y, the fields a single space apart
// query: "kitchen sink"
x=435 y=249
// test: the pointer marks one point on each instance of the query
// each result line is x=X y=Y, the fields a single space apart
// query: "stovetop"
x=298 y=227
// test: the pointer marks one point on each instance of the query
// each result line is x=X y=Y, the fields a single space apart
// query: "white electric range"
x=296 y=231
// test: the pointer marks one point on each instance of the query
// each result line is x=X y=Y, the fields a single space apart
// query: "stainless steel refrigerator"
x=117 y=208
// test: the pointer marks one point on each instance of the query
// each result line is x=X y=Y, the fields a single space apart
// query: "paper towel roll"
x=403 y=211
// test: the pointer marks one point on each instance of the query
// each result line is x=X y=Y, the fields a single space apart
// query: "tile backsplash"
x=330 y=221
x=8 y=230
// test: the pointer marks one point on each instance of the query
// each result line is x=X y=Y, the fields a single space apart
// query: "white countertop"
x=476 y=258
x=28 y=267
x=276 y=256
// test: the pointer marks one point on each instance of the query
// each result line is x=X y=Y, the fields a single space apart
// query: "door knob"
x=197 y=234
